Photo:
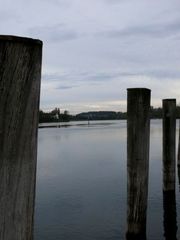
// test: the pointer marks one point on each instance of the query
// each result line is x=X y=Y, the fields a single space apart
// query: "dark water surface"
x=81 y=184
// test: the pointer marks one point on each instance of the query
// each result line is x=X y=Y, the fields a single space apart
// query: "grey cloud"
x=54 y=1
x=62 y=3
x=165 y=74
x=55 y=77
x=101 y=76
x=67 y=80
x=159 y=74
x=54 y=33
x=114 y=1
x=50 y=77
x=8 y=16
x=61 y=87
x=83 y=78
x=152 y=31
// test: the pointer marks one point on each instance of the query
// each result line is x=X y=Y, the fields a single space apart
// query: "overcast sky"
x=95 y=49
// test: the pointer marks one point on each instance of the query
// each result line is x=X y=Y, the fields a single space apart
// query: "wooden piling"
x=178 y=158
x=169 y=144
x=20 y=73
x=138 y=133
x=170 y=221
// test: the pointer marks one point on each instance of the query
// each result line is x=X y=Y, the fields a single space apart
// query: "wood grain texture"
x=169 y=144
x=178 y=157
x=138 y=133
x=20 y=74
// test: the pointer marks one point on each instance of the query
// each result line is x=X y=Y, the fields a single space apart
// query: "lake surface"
x=82 y=178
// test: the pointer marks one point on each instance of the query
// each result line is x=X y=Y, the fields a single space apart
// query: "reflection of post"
x=20 y=70
x=138 y=128
x=179 y=176
x=169 y=144
x=170 y=224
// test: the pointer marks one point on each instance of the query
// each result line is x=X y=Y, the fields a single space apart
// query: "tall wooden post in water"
x=178 y=158
x=169 y=144
x=20 y=73
x=138 y=133
x=170 y=222
x=169 y=168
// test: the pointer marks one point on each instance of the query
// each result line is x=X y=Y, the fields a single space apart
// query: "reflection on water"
x=81 y=184
x=130 y=236
x=76 y=124
x=179 y=176
x=170 y=223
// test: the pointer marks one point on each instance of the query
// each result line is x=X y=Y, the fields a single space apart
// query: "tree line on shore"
x=56 y=116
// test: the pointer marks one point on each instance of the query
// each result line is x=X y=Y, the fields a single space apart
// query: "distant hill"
x=56 y=116
x=101 y=115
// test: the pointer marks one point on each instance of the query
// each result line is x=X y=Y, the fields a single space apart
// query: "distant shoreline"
x=83 y=123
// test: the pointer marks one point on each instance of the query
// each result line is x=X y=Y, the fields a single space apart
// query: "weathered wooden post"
x=138 y=133
x=179 y=147
x=178 y=157
x=170 y=222
x=20 y=73
x=169 y=144
x=169 y=168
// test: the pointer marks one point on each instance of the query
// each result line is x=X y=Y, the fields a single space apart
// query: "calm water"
x=81 y=183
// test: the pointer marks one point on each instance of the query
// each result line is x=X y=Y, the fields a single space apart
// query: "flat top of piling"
x=169 y=99
x=20 y=39
x=138 y=89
